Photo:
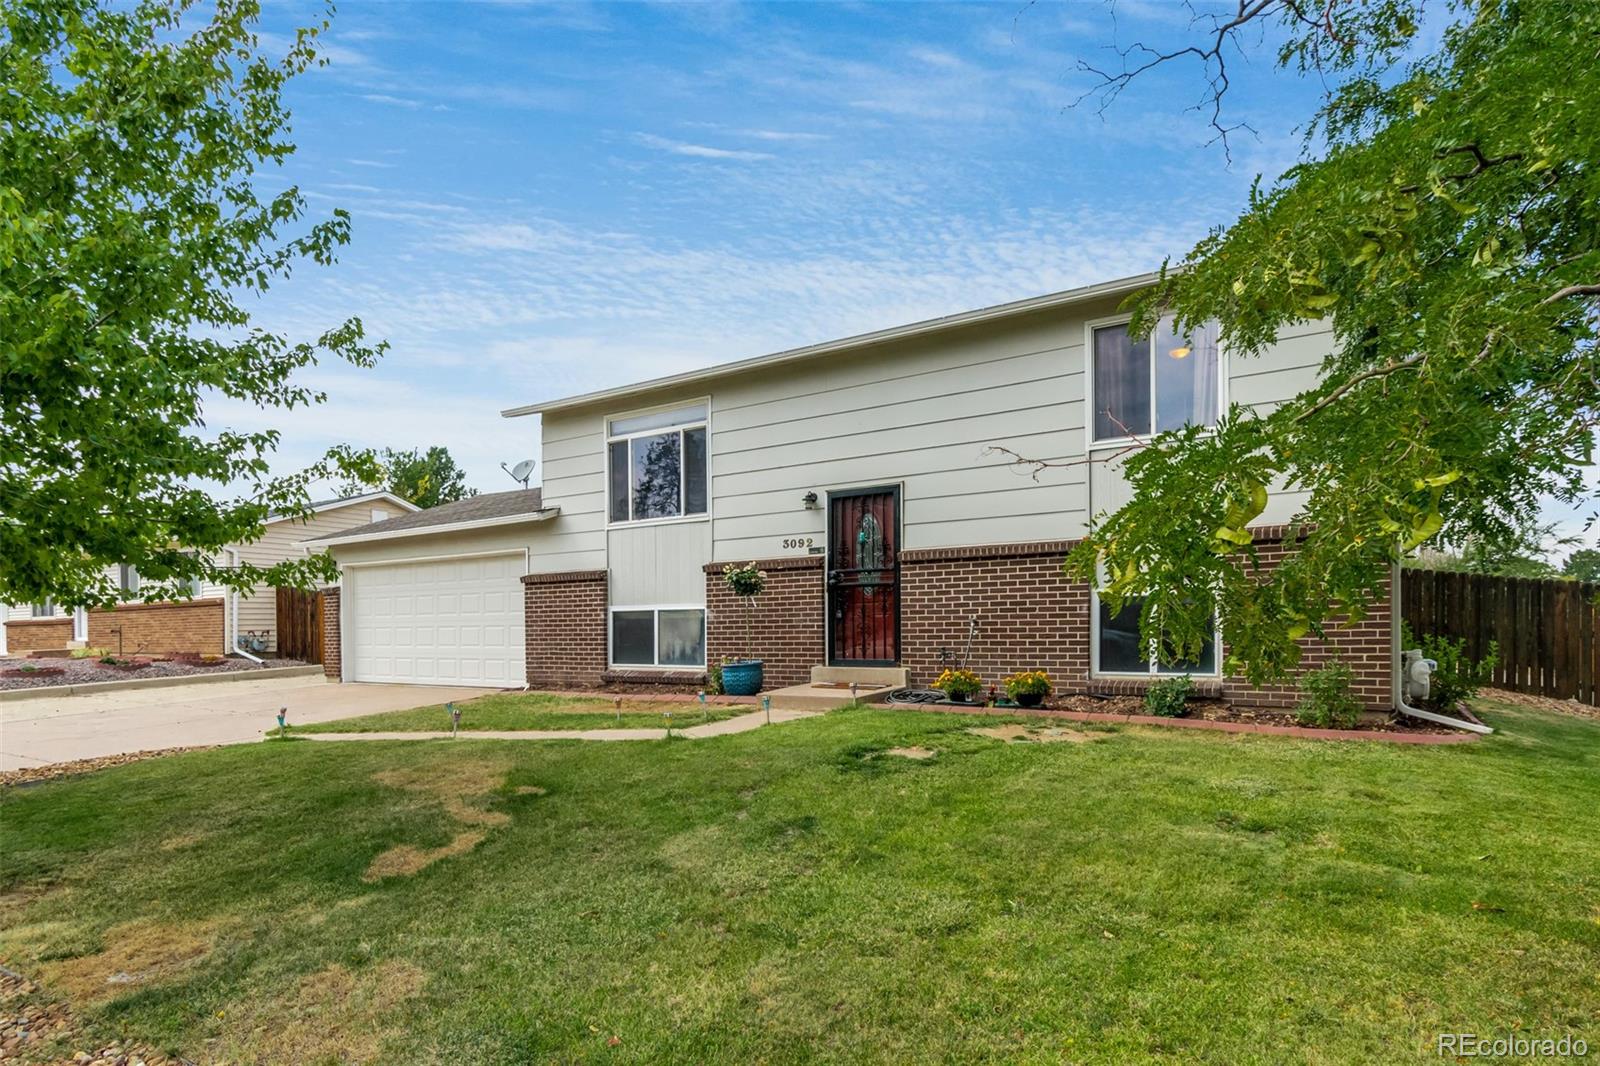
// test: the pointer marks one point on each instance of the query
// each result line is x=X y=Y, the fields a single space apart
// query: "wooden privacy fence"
x=1545 y=628
x=300 y=625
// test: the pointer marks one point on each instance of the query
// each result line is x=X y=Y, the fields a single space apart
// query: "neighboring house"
x=856 y=473
x=213 y=618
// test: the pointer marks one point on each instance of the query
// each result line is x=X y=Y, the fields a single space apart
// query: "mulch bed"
x=1542 y=703
x=88 y=671
x=30 y=775
x=1206 y=710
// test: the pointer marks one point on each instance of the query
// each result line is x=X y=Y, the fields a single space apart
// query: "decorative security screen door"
x=864 y=577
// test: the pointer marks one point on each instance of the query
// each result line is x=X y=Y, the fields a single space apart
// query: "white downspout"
x=233 y=615
x=1396 y=654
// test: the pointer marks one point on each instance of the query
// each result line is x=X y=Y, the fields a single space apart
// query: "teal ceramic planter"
x=742 y=678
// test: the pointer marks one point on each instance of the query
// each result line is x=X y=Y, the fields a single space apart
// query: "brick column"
x=788 y=629
x=565 y=624
x=332 y=645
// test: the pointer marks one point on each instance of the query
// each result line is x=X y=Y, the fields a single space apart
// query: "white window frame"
x=125 y=573
x=50 y=609
x=655 y=629
x=1151 y=671
x=609 y=438
x=1097 y=443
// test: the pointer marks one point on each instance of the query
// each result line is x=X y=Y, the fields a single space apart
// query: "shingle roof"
x=472 y=509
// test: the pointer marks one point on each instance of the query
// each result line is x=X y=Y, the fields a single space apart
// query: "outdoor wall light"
x=810 y=501
x=1180 y=352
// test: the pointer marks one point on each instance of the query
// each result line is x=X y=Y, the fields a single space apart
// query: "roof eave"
x=861 y=340
x=423 y=531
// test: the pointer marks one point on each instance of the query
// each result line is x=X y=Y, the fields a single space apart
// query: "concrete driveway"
x=51 y=729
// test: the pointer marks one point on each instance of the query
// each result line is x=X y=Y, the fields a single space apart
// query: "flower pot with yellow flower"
x=959 y=686
x=1029 y=688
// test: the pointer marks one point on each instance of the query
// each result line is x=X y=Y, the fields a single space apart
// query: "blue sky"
x=551 y=199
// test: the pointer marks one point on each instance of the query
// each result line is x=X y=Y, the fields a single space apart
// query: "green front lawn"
x=533 y=710
x=796 y=893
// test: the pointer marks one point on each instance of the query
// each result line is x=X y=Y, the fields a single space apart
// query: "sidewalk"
x=742 y=724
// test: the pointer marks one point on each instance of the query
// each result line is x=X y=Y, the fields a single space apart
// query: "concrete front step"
x=824 y=697
x=866 y=676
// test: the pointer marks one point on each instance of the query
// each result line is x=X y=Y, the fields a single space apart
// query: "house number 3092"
x=797 y=542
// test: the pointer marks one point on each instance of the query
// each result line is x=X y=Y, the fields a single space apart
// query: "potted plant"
x=742 y=677
x=959 y=686
x=1029 y=688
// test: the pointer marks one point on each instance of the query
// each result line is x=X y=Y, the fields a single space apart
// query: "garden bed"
x=58 y=671
x=1202 y=710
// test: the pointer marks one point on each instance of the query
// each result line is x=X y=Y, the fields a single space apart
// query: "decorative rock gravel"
x=28 y=1022
x=30 y=774
x=89 y=671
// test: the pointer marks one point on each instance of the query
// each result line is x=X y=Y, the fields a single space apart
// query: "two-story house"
x=858 y=473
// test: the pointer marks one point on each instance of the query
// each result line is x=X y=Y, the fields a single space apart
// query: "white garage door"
x=448 y=621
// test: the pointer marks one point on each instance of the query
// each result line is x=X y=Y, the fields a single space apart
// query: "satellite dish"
x=521 y=472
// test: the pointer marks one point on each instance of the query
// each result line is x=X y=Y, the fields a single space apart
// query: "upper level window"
x=657 y=464
x=47 y=609
x=1160 y=382
x=128 y=581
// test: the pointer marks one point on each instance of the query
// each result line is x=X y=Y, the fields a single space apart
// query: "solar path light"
x=455 y=719
x=766 y=705
x=283 y=721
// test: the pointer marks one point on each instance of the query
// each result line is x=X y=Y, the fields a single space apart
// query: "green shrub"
x=1169 y=697
x=1326 y=701
x=1458 y=677
x=714 y=679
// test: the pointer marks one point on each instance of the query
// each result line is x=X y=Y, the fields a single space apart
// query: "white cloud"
x=699 y=151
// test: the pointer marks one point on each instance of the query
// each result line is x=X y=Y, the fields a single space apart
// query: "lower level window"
x=658 y=636
x=1119 y=649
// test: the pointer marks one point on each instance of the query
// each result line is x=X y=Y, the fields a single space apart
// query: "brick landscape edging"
x=1202 y=723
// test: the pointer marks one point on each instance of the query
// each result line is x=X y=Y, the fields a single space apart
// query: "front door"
x=864 y=577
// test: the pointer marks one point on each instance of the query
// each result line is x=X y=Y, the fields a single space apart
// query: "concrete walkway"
x=52 y=729
x=741 y=724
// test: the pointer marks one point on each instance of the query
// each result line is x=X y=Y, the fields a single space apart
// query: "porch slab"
x=866 y=676
x=825 y=696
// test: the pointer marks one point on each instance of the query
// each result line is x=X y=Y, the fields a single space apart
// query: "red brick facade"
x=1021 y=612
x=154 y=628
x=129 y=629
x=1025 y=615
x=788 y=628
x=565 y=617
x=38 y=634
x=332 y=638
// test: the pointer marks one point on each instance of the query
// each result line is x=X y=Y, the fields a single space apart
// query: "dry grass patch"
x=916 y=751
x=183 y=840
x=332 y=1015
x=136 y=953
x=458 y=788
x=1032 y=734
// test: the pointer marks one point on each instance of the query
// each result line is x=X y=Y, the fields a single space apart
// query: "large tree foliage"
x=133 y=237
x=1445 y=220
x=426 y=478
